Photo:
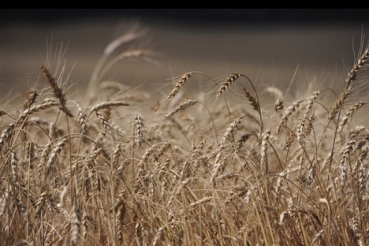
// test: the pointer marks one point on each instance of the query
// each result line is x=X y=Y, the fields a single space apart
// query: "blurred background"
x=271 y=46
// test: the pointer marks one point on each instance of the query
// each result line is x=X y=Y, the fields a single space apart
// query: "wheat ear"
x=230 y=130
x=138 y=130
x=75 y=225
x=338 y=104
x=58 y=92
x=229 y=80
x=263 y=151
x=180 y=83
x=287 y=114
x=349 y=115
x=253 y=102
x=180 y=107
x=56 y=151
x=6 y=133
x=358 y=66
x=82 y=122
x=109 y=104
x=31 y=99
x=45 y=104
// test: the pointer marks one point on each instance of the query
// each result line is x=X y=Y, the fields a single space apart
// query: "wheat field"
x=233 y=163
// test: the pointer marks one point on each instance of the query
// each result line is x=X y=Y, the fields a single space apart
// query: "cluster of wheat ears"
x=192 y=170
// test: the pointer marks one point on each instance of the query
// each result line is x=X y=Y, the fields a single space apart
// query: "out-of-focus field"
x=268 y=54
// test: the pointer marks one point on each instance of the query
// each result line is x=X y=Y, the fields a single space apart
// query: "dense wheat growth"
x=220 y=167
